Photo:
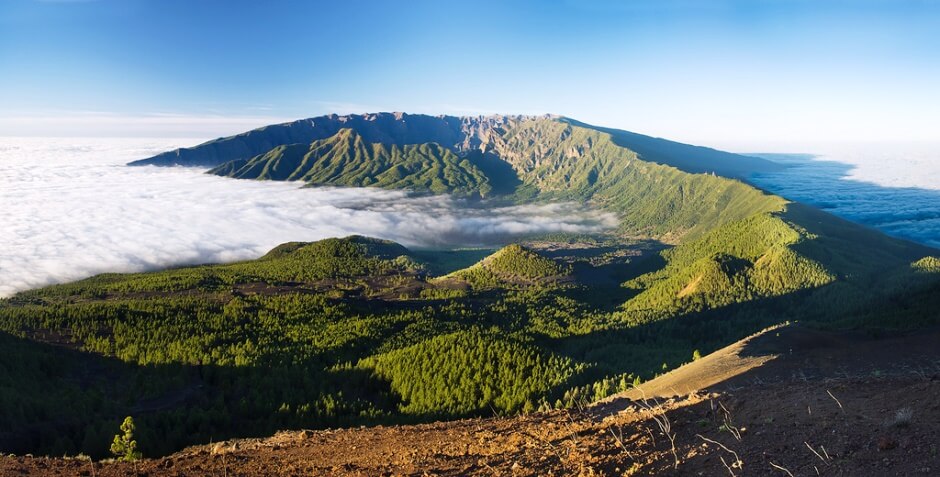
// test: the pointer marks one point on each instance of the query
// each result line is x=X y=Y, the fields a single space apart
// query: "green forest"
x=345 y=159
x=360 y=331
x=346 y=332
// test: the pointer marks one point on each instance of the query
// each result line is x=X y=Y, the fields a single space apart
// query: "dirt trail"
x=814 y=404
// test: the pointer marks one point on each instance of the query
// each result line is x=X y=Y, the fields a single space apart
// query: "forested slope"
x=357 y=330
x=354 y=331
x=526 y=159
x=346 y=159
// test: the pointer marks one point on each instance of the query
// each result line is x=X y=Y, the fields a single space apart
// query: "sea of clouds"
x=70 y=208
x=892 y=187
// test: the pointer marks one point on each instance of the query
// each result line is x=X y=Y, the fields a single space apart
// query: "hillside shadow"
x=441 y=262
x=601 y=286
x=80 y=399
x=909 y=213
x=686 y=157
x=643 y=348
x=502 y=176
x=802 y=358
x=647 y=349
x=830 y=317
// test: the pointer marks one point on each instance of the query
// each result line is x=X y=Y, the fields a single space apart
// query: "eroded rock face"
x=524 y=142
x=460 y=134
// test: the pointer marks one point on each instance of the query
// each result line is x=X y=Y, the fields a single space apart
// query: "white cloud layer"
x=892 y=187
x=69 y=209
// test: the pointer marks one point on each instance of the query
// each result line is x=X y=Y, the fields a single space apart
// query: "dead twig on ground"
x=619 y=440
x=825 y=461
x=836 y=400
x=737 y=464
x=782 y=469
x=728 y=425
x=658 y=415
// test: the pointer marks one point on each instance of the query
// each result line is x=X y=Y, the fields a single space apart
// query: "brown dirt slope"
x=710 y=370
x=788 y=401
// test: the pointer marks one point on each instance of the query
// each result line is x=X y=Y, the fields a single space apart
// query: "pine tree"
x=124 y=446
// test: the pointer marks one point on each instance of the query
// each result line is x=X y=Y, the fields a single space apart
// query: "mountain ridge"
x=522 y=159
x=347 y=159
x=460 y=133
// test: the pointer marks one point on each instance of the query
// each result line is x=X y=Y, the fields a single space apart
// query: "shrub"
x=124 y=446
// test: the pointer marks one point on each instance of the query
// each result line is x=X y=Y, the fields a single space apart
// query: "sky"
x=708 y=72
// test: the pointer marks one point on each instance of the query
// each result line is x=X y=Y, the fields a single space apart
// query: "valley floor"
x=788 y=401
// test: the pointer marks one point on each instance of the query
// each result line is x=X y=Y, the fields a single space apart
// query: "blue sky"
x=703 y=71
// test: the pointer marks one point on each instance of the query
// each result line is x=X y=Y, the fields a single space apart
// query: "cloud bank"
x=895 y=188
x=71 y=209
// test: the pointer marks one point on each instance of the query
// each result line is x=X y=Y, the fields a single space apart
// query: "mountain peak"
x=461 y=134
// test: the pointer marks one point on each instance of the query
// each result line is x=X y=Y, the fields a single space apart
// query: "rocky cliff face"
x=522 y=141
x=461 y=134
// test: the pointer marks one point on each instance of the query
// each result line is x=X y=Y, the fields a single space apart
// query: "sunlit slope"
x=525 y=159
x=346 y=159
x=559 y=161
x=335 y=259
x=460 y=134
x=737 y=262
x=843 y=265
x=689 y=158
x=468 y=371
x=513 y=265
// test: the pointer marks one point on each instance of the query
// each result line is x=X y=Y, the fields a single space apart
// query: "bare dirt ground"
x=788 y=401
